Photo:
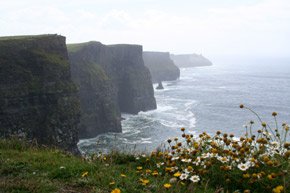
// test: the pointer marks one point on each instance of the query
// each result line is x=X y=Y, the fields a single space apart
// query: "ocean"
x=204 y=99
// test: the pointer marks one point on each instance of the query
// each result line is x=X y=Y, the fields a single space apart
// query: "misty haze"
x=116 y=96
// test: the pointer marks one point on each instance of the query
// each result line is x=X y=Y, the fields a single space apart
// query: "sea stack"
x=160 y=86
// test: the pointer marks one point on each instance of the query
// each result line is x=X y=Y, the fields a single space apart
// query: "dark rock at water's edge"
x=190 y=60
x=161 y=67
x=160 y=86
x=112 y=79
x=38 y=100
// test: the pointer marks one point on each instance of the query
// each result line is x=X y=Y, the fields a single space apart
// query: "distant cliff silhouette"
x=190 y=60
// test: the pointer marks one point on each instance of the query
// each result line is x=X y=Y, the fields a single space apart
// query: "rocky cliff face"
x=161 y=67
x=118 y=81
x=38 y=100
x=190 y=60
x=99 y=101
x=133 y=79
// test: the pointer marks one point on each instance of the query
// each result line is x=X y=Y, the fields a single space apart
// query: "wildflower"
x=287 y=154
x=167 y=186
x=194 y=178
x=144 y=182
x=197 y=161
x=116 y=190
x=286 y=145
x=223 y=159
x=155 y=173
x=148 y=171
x=112 y=183
x=241 y=106
x=174 y=158
x=189 y=168
x=186 y=160
x=167 y=169
x=246 y=175
x=182 y=129
x=278 y=189
x=123 y=175
x=274 y=114
x=61 y=167
x=173 y=180
x=85 y=174
x=270 y=177
x=177 y=174
x=183 y=176
x=139 y=168
x=243 y=166
x=159 y=164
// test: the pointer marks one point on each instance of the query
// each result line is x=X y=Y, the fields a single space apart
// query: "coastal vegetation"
x=256 y=162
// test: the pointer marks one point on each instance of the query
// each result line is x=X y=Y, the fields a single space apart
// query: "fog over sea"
x=205 y=99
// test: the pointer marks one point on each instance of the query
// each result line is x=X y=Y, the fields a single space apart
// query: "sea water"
x=204 y=99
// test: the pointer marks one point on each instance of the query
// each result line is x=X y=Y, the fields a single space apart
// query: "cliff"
x=38 y=100
x=190 y=60
x=121 y=83
x=161 y=67
x=98 y=95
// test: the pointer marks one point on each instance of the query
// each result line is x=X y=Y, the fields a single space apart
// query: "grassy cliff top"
x=26 y=168
x=78 y=46
x=26 y=37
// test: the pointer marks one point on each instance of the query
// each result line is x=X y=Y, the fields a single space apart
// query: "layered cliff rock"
x=121 y=83
x=99 y=101
x=190 y=60
x=161 y=67
x=38 y=100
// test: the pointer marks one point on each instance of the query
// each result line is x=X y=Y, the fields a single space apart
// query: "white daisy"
x=194 y=178
x=243 y=166
x=183 y=176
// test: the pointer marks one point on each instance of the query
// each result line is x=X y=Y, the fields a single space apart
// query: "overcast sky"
x=210 y=27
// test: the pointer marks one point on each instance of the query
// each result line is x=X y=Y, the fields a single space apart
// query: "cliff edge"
x=38 y=100
x=112 y=79
x=161 y=67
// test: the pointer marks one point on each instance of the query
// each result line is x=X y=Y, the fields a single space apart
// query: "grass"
x=78 y=46
x=25 y=37
x=204 y=164
x=29 y=168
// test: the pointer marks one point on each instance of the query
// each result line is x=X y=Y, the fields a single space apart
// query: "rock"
x=160 y=86
x=37 y=97
x=100 y=111
x=112 y=79
x=161 y=67
x=190 y=60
